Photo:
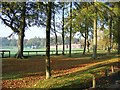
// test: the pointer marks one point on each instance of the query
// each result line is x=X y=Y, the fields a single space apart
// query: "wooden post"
x=93 y=82
x=9 y=53
x=112 y=69
x=2 y=54
x=106 y=72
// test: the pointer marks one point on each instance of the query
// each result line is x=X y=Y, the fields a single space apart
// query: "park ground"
x=67 y=72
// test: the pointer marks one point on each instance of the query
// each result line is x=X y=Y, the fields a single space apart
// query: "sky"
x=32 y=32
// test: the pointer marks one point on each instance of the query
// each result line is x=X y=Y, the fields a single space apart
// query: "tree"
x=13 y=42
x=63 y=41
x=54 y=30
x=21 y=32
x=116 y=10
x=15 y=19
x=85 y=41
x=119 y=35
x=48 y=27
x=95 y=33
x=5 y=41
x=70 y=29
x=82 y=22
x=17 y=16
x=118 y=16
x=110 y=21
x=110 y=35
x=115 y=15
x=34 y=42
x=89 y=11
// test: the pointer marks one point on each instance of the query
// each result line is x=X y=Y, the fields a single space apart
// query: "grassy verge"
x=82 y=78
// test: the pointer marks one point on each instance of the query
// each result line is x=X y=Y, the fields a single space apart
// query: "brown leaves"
x=33 y=69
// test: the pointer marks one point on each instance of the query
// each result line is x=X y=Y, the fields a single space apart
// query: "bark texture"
x=21 y=33
x=48 y=26
x=63 y=41
x=95 y=34
x=70 y=29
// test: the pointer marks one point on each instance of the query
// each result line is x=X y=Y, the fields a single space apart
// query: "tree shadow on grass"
x=102 y=82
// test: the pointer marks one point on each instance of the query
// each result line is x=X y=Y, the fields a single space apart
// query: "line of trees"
x=84 y=18
x=37 y=42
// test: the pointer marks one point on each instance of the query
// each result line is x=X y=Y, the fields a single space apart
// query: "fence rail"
x=2 y=52
x=52 y=52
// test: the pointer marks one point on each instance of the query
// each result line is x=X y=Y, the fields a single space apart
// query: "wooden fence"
x=6 y=53
x=52 y=52
x=2 y=53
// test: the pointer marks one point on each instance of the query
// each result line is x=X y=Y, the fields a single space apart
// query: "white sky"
x=29 y=33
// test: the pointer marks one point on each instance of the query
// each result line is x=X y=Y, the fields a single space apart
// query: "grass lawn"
x=13 y=51
x=67 y=71
x=74 y=80
x=81 y=78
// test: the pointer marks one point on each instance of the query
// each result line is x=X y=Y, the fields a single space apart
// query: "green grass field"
x=13 y=51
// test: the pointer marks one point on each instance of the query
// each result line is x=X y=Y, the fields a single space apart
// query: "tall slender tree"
x=70 y=29
x=119 y=35
x=110 y=35
x=54 y=30
x=85 y=37
x=95 y=32
x=86 y=42
x=118 y=15
x=48 y=27
x=63 y=41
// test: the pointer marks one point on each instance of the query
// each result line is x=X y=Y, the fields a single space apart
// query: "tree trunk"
x=21 y=33
x=95 y=40
x=87 y=33
x=56 y=43
x=70 y=29
x=84 y=44
x=48 y=26
x=118 y=5
x=20 y=45
x=95 y=35
x=110 y=35
x=88 y=44
x=63 y=30
x=119 y=35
